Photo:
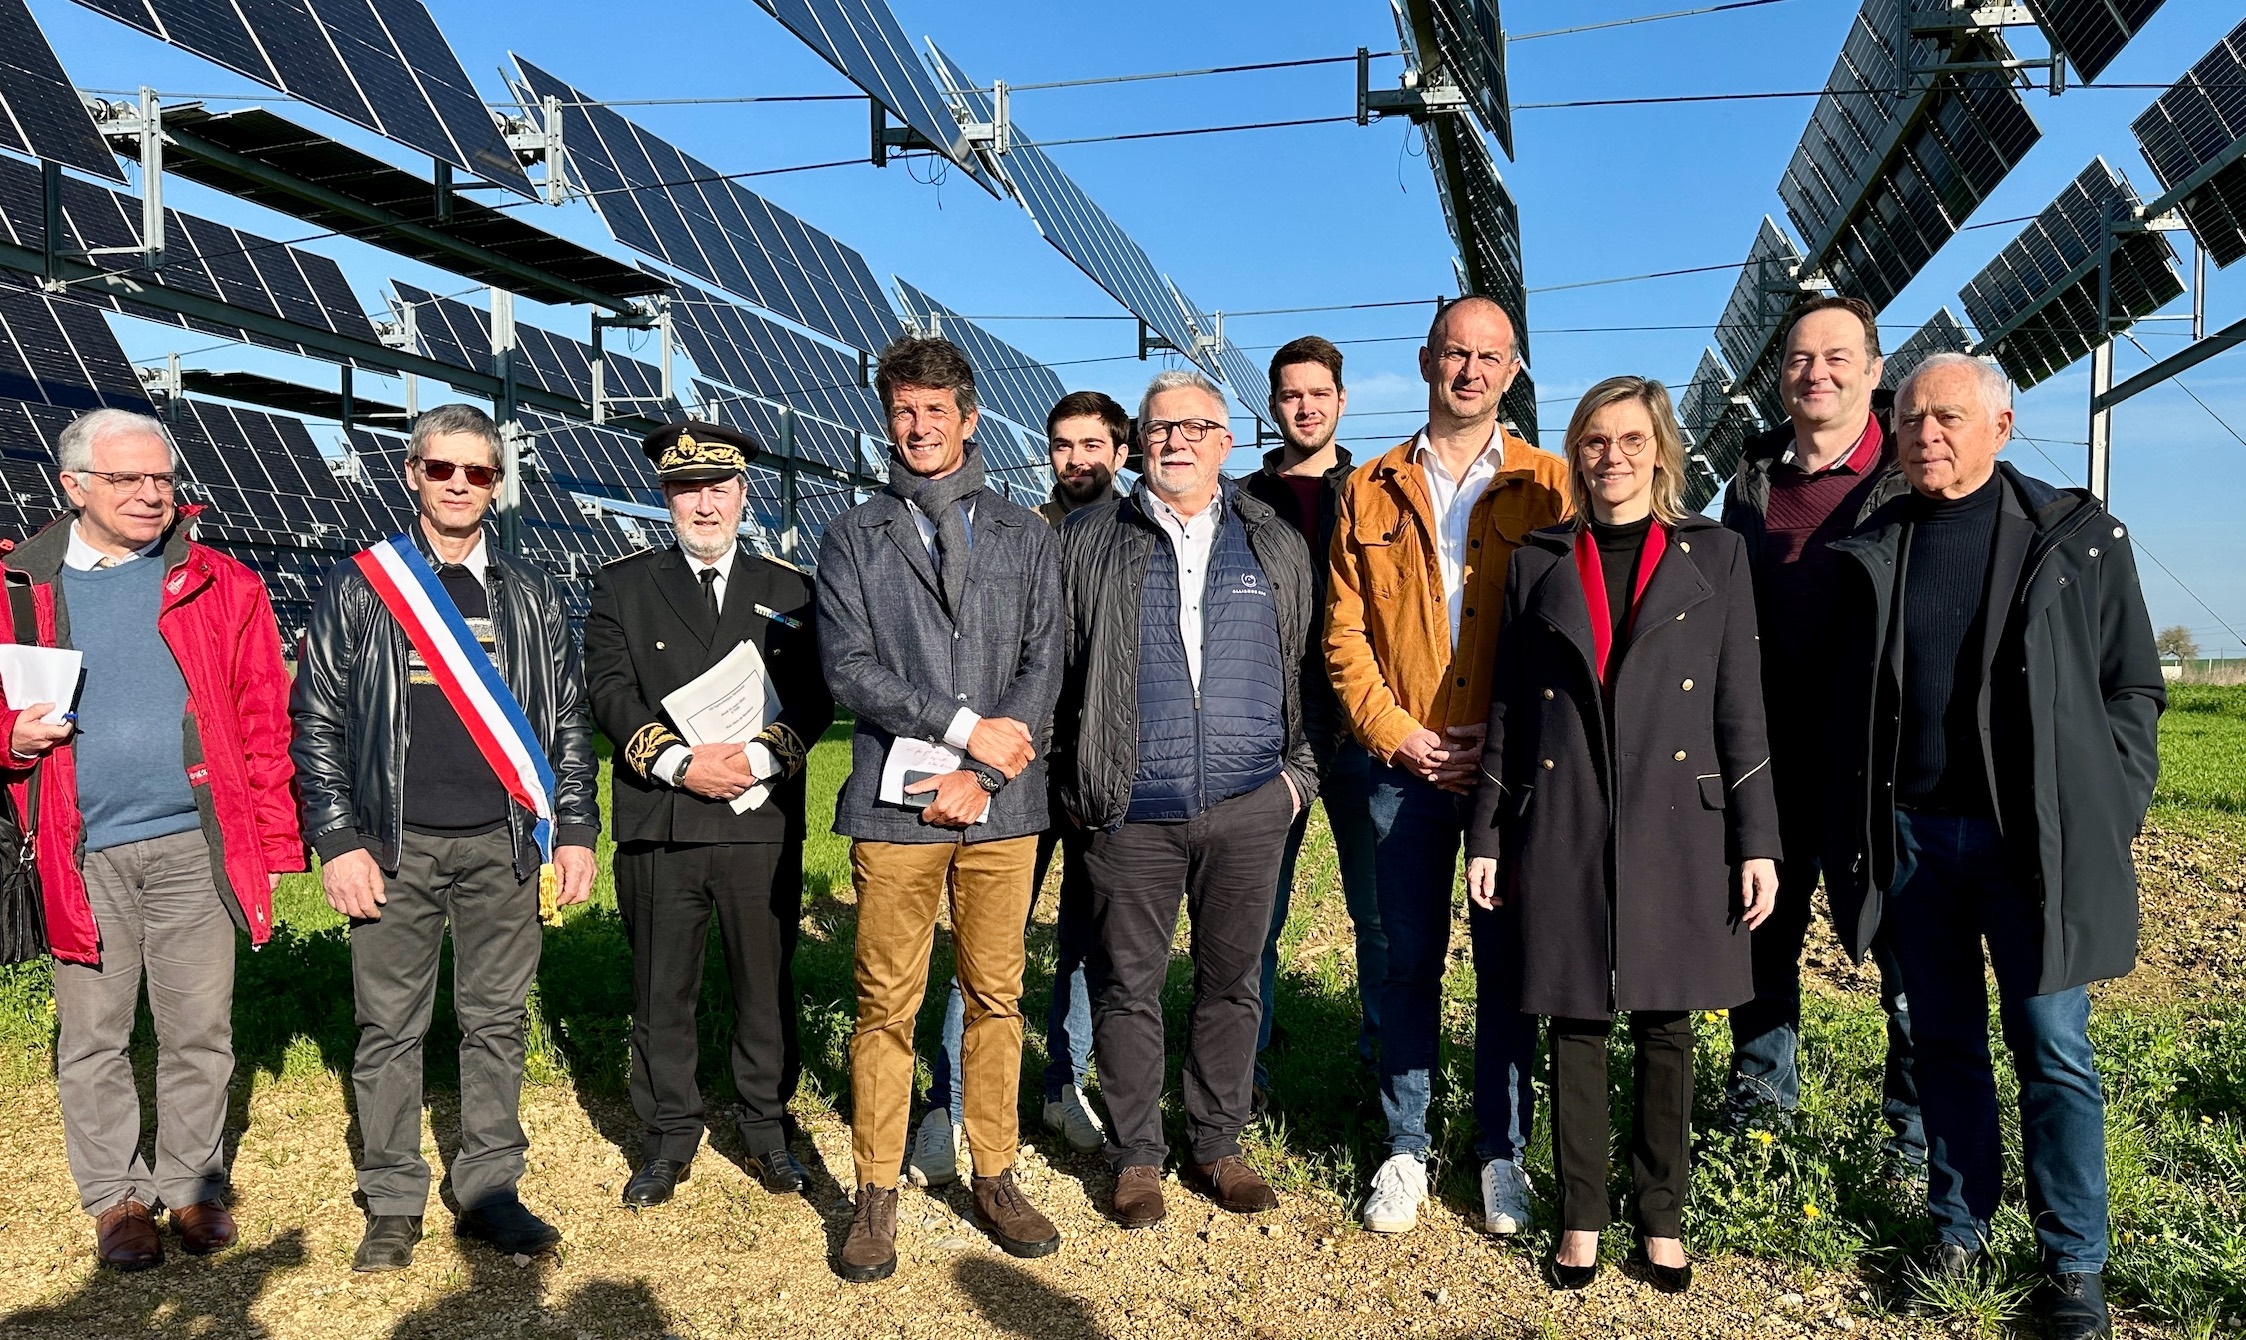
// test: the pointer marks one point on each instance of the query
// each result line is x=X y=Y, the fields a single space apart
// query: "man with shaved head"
x=2002 y=697
x=1412 y=660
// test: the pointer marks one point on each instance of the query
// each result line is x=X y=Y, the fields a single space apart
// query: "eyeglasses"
x=129 y=481
x=1157 y=431
x=481 y=476
x=1630 y=444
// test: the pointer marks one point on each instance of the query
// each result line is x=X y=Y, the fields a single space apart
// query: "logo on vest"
x=1250 y=585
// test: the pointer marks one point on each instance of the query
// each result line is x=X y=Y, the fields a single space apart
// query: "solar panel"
x=814 y=439
x=1066 y=217
x=1943 y=333
x=1484 y=222
x=1766 y=290
x=750 y=352
x=587 y=458
x=1890 y=167
x=1518 y=405
x=862 y=40
x=1007 y=381
x=1470 y=46
x=62 y=353
x=455 y=332
x=1718 y=426
x=2198 y=122
x=2036 y=304
x=381 y=64
x=40 y=113
x=2091 y=32
x=662 y=201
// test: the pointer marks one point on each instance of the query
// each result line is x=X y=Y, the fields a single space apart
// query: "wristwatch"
x=989 y=781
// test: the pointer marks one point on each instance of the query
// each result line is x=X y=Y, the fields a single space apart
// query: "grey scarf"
x=939 y=500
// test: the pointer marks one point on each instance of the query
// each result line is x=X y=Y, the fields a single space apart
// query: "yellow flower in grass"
x=1809 y=1210
x=1765 y=1137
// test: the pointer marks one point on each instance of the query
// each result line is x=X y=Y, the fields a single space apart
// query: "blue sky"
x=1333 y=214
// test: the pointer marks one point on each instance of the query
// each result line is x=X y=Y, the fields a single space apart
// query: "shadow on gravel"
x=1019 y=1303
x=183 y=1297
x=502 y=1298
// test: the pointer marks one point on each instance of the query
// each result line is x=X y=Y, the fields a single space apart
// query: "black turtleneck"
x=1939 y=765
x=1619 y=549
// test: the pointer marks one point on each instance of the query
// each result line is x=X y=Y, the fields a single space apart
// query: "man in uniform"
x=686 y=845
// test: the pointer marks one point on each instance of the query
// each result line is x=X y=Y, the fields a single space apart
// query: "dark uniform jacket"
x=1618 y=849
x=1322 y=717
x=648 y=633
x=2069 y=713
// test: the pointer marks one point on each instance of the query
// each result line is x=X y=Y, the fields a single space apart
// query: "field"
x=1796 y=1232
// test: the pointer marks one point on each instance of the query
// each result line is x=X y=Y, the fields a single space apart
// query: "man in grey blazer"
x=940 y=630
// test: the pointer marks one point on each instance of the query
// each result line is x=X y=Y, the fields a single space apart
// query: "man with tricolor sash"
x=448 y=775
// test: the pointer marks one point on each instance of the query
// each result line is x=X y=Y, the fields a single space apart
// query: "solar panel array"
x=40 y=113
x=579 y=457
x=2037 y=302
x=1007 y=380
x=1719 y=427
x=1483 y=219
x=200 y=257
x=751 y=352
x=1766 y=290
x=1876 y=200
x=381 y=64
x=662 y=201
x=1015 y=460
x=765 y=423
x=1943 y=333
x=2092 y=32
x=1471 y=45
x=62 y=354
x=2195 y=123
x=861 y=38
x=455 y=332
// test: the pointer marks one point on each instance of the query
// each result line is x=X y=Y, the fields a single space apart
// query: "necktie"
x=106 y=561
x=709 y=590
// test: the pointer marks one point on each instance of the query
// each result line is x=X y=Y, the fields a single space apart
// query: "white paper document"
x=730 y=703
x=909 y=755
x=40 y=675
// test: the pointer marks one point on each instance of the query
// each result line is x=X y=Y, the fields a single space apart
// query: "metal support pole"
x=600 y=365
x=151 y=178
x=343 y=389
x=787 y=485
x=444 y=191
x=510 y=433
x=2198 y=288
x=2100 y=471
x=50 y=236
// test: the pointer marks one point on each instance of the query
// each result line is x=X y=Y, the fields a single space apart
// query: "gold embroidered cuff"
x=786 y=746
x=646 y=745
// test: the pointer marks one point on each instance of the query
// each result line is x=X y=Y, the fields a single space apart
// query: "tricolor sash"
x=409 y=588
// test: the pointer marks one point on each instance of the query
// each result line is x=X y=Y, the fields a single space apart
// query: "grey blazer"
x=897 y=661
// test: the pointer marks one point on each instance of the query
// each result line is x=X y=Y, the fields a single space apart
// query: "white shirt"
x=1191 y=538
x=1454 y=501
x=670 y=765
x=85 y=558
x=477 y=562
x=964 y=721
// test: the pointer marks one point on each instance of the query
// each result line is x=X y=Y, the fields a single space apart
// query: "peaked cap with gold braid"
x=696 y=452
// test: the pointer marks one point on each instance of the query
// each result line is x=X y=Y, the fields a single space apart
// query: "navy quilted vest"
x=1194 y=754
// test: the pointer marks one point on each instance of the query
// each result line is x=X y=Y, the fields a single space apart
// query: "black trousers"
x=666 y=895
x=1219 y=864
x=1661 y=1131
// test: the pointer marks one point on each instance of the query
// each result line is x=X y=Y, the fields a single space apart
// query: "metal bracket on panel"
x=993 y=136
x=865 y=368
x=540 y=141
x=163 y=386
x=143 y=119
x=1950 y=16
x=1415 y=98
x=658 y=319
x=1151 y=343
x=889 y=139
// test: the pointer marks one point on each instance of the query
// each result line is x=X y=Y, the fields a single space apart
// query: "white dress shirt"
x=964 y=721
x=85 y=558
x=1454 y=501
x=670 y=765
x=1191 y=539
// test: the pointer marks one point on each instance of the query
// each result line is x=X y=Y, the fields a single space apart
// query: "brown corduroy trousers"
x=900 y=886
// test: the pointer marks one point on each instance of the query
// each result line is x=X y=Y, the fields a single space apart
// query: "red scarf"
x=1592 y=574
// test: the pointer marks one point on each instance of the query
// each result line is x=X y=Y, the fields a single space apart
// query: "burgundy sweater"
x=1805 y=515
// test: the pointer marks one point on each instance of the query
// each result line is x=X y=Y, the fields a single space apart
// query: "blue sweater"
x=131 y=752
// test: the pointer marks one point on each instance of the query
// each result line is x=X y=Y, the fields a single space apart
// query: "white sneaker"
x=1072 y=1116
x=934 y=1160
x=1398 y=1188
x=1505 y=1197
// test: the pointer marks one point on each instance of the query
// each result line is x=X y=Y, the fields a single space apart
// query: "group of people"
x=1895 y=664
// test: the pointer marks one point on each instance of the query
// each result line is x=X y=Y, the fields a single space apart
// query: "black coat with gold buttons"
x=1619 y=817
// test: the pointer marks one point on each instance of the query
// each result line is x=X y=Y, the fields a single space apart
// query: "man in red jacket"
x=165 y=816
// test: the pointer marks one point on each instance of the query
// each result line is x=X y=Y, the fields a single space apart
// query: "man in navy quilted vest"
x=1179 y=747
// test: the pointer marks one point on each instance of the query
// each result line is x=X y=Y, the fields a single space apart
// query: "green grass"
x=1811 y=1196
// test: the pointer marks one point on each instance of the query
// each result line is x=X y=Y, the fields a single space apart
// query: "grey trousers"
x=160 y=917
x=495 y=942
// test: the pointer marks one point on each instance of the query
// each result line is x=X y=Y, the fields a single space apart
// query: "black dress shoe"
x=1949 y=1261
x=509 y=1226
x=1665 y=1279
x=777 y=1172
x=388 y=1244
x=1573 y=1277
x=654 y=1182
x=2075 y=1303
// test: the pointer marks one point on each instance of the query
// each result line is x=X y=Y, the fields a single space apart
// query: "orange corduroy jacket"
x=1388 y=633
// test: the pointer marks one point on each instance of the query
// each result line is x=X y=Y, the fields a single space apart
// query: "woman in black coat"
x=1625 y=821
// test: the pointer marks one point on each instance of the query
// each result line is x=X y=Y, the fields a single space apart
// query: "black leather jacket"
x=349 y=706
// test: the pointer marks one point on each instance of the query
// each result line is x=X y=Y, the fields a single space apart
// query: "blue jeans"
x=1068 y=1019
x=1955 y=886
x=1418 y=830
x=1344 y=792
x=1766 y=1032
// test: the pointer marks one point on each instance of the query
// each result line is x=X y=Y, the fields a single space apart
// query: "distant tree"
x=2176 y=642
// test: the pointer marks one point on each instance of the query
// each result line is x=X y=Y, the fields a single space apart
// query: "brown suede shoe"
x=125 y=1237
x=1233 y=1185
x=204 y=1227
x=869 y=1253
x=1138 y=1197
x=1006 y=1214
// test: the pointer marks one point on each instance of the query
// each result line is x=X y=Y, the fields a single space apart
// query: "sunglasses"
x=482 y=476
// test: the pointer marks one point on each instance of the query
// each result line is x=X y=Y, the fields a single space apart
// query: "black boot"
x=388 y=1244
x=2075 y=1303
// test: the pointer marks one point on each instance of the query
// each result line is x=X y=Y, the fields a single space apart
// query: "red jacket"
x=219 y=625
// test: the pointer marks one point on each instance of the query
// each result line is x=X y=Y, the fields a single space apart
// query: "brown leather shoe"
x=204 y=1227
x=1233 y=1185
x=869 y=1253
x=1006 y=1214
x=125 y=1237
x=1138 y=1197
